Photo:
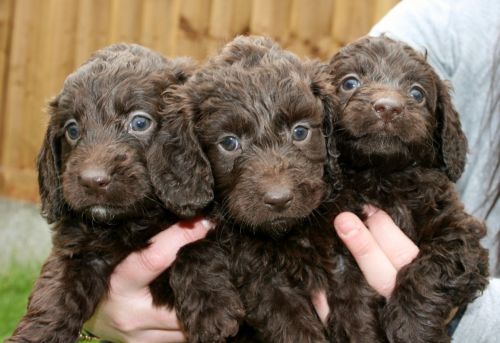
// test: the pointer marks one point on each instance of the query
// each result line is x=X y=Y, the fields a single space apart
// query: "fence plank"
x=271 y=18
x=17 y=173
x=351 y=19
x=228 y=18
x=192 y=39
x=125 y=23
x=6 y=13
x=93 y=25
x=381 y=8
x=308 y=31
x=160 y=22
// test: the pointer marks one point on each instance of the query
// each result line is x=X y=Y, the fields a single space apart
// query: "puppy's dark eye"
x=417 y=93
x=230 y=143
x=72 y=131
x=300 y=133
x=351 y=83
x=140 y=123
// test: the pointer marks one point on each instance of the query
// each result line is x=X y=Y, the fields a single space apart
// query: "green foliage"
x=15 y=286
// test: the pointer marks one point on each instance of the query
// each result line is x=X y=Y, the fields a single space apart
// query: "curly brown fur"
x=260 y=116
x=400 y=144
x=96 y=184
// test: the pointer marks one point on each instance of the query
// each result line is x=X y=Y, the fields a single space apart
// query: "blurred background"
x=42 y=41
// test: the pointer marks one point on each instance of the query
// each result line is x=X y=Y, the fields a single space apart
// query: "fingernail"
x=370 y=210
x=207 y=224
x=347 y=230
x=346 y=227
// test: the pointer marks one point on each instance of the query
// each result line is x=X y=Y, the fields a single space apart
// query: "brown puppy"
x=262 y=117
x=97 y=185
x=400 y=144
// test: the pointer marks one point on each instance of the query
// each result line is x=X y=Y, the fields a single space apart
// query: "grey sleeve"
x=481 y=321
x=425 y=25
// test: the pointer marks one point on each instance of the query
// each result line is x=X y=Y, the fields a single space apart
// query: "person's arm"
x=127 y=313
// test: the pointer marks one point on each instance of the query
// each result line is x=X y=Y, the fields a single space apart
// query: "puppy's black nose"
x=94 y=178
x=387 y=108
x=278 y=198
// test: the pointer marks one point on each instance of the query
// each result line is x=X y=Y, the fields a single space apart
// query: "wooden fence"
x=42 y=41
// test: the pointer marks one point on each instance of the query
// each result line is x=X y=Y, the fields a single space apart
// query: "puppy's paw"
x=310 y=336
x=216 y=323
x=402 y=326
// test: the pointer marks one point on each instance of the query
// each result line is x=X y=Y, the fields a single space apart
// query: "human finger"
x=156 y=336
x=374 y=264
x=160 y=336
x=321 y=304
x=123 y=319
x=145 y=315
x=140 y=268
x=147 y=336
x=398 y=247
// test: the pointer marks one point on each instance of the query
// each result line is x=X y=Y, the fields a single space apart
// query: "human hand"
x=380 y=248
x=127 y=313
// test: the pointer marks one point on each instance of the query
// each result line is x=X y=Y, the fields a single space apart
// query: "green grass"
x=15 y=286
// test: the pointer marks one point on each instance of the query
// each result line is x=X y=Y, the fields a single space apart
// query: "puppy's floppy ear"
x=49 y=172
x=321 y=87
x=180 y=171
x=450 y=137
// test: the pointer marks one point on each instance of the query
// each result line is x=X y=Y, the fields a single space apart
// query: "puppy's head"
x=395 y=111
x=260 y=119
x=103 y=122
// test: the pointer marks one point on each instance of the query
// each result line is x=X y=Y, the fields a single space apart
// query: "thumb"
x=140 y=268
